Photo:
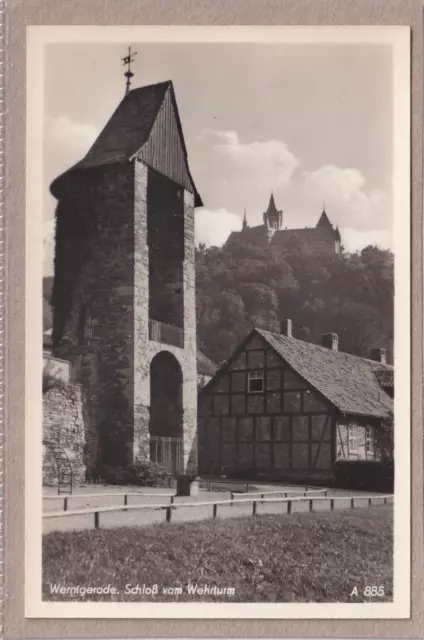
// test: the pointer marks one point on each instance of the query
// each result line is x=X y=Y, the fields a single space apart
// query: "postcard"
x=218 y=293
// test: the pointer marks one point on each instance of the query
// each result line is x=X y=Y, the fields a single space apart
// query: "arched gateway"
x=166 y=412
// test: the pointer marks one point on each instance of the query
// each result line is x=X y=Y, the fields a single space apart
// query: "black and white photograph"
x=218 y=242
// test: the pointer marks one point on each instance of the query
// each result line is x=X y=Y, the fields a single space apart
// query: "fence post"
x=369 y=502
x=172 y=499
x=215 y=510
x=325 y=493
x=209 y=485
x=352 y=503
x=168 y=514
x=289 y=506
x=262 y=496
x=232 y=498
x=311 y=503
x=246 y=486
x=96 y=520
x=125 y=501
x=385 y=500
x=254 y=508
x=65 y=504
x=332 y=504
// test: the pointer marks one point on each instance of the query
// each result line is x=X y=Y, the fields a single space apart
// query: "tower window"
x=84 y=326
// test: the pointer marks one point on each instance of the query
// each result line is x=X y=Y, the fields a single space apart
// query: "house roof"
x=385 y=379
x=128 y=129
x=205 y=366
x=347 y=381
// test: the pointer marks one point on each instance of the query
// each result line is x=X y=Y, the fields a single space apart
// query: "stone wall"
x=107 y=285
x=63 y=427
x=56 y=368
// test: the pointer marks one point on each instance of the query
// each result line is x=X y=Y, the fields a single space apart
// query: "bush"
x=365 y=474
x=142 y=473
x=52 y=382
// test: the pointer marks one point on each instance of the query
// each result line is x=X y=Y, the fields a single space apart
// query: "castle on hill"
x=322 y=237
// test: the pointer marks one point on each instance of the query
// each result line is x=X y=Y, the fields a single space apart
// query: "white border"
x=37 y=37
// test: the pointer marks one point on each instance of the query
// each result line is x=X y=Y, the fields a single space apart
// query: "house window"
x=255 y=381
x=353 y=440
x=369 y=442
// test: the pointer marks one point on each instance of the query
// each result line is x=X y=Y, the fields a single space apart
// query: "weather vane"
x=128 y=73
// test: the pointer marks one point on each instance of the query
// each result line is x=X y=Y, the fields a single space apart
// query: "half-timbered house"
x=283 y=408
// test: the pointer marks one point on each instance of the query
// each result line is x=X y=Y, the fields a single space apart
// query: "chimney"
x=330 y=340
x=379 y=355
x=286 y=328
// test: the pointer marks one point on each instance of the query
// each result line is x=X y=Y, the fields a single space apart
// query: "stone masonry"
x=107 y=215
x=63 y=426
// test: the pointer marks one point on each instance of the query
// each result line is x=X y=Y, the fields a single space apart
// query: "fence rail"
x=235 y=496
x=166 y=333
x=96 y=511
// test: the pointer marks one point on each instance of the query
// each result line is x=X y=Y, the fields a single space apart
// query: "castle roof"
x=257 y=235
x=350 y=383
x=324 y=221
x=272 y=209
x=145 y=123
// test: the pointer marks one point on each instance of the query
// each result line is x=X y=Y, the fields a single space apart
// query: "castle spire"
x=244 y=221
x=271 y=207
x=273 y=218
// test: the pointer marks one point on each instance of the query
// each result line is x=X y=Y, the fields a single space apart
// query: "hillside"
x=348 y=294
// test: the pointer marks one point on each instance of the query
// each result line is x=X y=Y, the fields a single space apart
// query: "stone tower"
x=273 y=219
x=124 y=285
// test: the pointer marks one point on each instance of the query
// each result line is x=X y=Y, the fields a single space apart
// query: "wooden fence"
x=235 y=495
x=96 y=511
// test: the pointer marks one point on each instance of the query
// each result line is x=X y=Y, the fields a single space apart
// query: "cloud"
x=214 y=227
x=354 y=240
x=270 y=163
x=248 y=171
x=345 y=193
x=68 y=138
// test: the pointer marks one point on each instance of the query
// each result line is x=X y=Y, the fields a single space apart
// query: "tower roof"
x=324 y=221
x=130 y=128
x=271 y=207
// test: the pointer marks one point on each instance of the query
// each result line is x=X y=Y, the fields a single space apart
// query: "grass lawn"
x=316 y=557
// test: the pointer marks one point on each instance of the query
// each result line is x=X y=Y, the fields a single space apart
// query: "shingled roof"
x=129 y=129
x=347 y=381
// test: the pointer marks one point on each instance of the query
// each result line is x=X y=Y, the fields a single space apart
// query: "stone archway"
x=166 y=412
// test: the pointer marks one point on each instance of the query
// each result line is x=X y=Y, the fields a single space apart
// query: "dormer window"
x=255 y=381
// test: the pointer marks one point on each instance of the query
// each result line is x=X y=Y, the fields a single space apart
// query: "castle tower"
x=333 y=234
x=273 y=219
x=124 y=285
x=245 y=225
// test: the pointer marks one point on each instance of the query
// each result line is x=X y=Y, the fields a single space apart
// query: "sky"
x=311 y=122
